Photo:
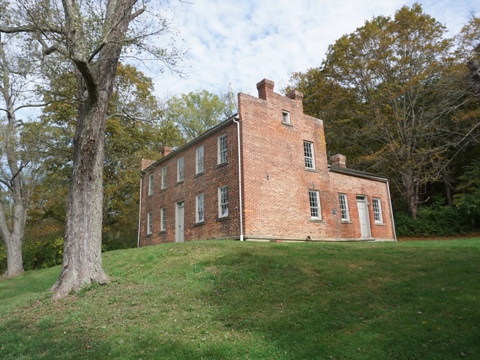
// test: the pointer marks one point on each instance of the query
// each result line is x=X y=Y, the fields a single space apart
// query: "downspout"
x=391 y=212
x=235 y=120
x=139 y=213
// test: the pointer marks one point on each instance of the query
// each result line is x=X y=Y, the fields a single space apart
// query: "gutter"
x=391 y=213
x=139 y=212
x=235 y=120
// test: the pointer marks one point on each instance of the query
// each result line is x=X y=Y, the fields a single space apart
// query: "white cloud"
x=241 y=42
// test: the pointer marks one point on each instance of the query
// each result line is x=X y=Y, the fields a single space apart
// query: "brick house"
x=261 y=174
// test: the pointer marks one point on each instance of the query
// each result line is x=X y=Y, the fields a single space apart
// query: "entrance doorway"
x=363 y=216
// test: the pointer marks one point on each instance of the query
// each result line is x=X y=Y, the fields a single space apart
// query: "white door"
x=363 y=216
x=179 y=221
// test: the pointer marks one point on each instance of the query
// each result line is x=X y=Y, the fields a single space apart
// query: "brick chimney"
x=167 y=150
x=339 y=160
x=295 y=95
x=146 y=163
x=265 y=89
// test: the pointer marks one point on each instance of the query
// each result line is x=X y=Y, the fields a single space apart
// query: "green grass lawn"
x=232 y=300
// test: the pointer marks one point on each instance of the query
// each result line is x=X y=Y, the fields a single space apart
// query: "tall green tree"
x=395 y=81
x=90 y=35
x=198 y=111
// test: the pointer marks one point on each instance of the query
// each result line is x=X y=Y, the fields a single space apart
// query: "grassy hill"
x=232 y=300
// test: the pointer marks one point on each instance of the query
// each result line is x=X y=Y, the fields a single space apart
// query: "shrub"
x=435 y=220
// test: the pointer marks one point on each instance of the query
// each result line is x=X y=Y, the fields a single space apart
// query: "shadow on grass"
x=381 y=305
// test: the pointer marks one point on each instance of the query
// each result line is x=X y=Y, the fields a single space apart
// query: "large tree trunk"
x=82 y=258
x=411 y=191
x=13 y=244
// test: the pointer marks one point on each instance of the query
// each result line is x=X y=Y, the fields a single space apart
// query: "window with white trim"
x=200 y=208
x=222 y=149
x=315 y=209
x=377 y=211
x=309 y=157
x=163 y=219
x=150 y=184
x=199 y=160
x=222 y=201
x=342 y=198
x=285 y=117
x=164 y=178
x=180 y=171
x=149 y=223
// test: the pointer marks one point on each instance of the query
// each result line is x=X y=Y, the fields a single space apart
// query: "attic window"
x=285 y=117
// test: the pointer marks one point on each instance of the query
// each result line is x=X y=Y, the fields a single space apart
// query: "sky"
x=238 y=43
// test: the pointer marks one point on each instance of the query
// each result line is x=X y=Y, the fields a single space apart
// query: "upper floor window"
x=222 y=201
x=315 y=209
x=180 y=171
x=285 y=117
x=163 y=219
x=344 y=207
x=150 y=184
x=164 y=178
x=377 y=211
x=200 y=208
x=199 y=160
x=149 y=223
x=222 y=149
x=309 y=157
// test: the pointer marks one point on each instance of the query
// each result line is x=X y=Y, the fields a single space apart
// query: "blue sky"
x=241 y=42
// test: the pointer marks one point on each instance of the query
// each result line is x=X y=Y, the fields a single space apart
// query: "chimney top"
x=295 y=95
x=146 y=163
x=339 y=160
x=166 y=150
x=265 y=88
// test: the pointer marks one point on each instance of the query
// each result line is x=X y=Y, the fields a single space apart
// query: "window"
x=149 y=224
x=163 y=219
x=223 y=201
x=285 y=117
x=222 y=149
x=199 y=160
x=164 y=178
x=377 y=211
x=309 y=158
x=150 y=184
x=180 y=173
x=200 y=217
x=315 y=210
x=344 y=207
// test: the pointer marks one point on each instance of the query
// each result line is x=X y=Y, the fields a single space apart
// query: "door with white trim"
x=179 y=221
x=363 y=217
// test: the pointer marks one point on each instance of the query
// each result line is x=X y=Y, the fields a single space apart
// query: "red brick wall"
x=213 y=176
x=276 y=183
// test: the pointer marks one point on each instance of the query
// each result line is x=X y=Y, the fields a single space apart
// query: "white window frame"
x=315 y=206
x=285 y=117
x=180 y=169
x=308 y=154
x=222 y=146
x=200 y=208
x=223 y=201
x=149 y=223
x=377 y=210
x=163 y=219
x=163 y=184
x=199 y=160
x=344 y=212
x=150 y=184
